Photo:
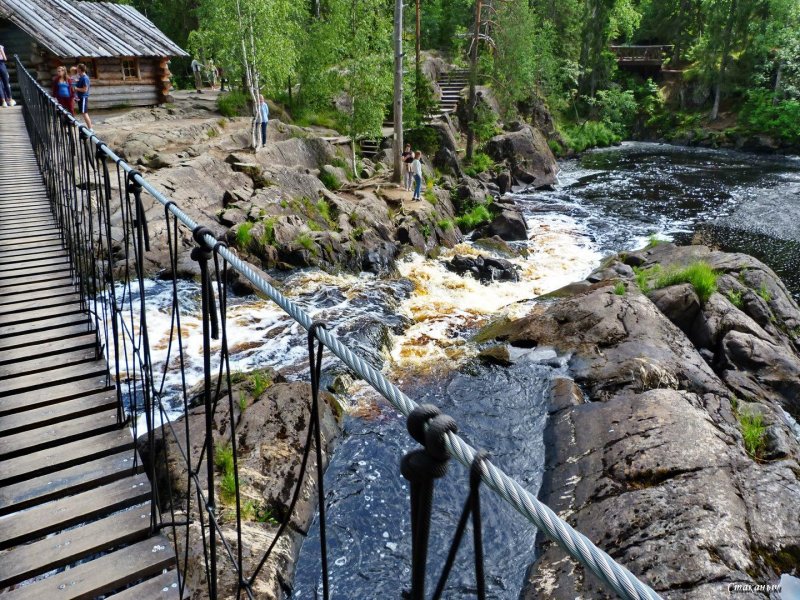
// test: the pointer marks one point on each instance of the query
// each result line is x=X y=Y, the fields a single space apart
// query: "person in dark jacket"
x=5 y=82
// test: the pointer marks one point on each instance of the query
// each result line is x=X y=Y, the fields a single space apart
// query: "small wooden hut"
x=126 y=56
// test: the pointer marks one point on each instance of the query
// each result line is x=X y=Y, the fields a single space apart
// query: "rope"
x=578 y=546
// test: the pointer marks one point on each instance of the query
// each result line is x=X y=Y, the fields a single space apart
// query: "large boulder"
x=486 y=269
x=527 y=154
x=646 y=453
x=509 y=225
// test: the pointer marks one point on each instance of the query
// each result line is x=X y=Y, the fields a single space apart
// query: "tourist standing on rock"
x=62 y=90
x=416 y=169
x=197 y=70
x=211 y=71
x=408 y=158
x=82 y=94
x=263 y=117
x=5 y=82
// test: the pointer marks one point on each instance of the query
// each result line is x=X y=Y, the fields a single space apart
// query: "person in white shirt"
x=416 y=170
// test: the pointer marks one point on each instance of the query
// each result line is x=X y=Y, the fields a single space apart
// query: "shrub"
x=424 y=139
x=485 y=123
x=754 y=433
x=268 y=237
x=764 y=293
x=589 y=135
x=617 y=109
x=445 y=224
x=233 y=104
x=619 y=288
x=329 y=180
x=474 y=218
x=780 y=120
x=480 y=162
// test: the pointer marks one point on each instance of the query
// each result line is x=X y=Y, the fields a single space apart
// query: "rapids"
x=417 y=328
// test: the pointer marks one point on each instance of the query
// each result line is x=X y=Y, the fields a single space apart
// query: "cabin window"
x=130 y=68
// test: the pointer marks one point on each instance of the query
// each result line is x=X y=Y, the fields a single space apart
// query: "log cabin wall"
x=127 y=57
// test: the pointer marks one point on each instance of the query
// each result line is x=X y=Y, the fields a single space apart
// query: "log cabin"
x=126 y=56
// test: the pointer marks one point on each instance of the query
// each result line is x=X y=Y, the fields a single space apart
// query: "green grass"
x=480 y=163
x=268 y=237
x=305 y=241
x=223 y=458
x=445 y=224
x=256 y=511
x=212 y=133
x=233 y=104
x=243 y=235
x=754 y=433
x=700 y=274
x=330 y=119
x=259 y=382
x=619 y=289
x=227 y=487
x=329 y=180
x=474 y=218
x=325 y=210
x=340 y=162
x=653 y=241
x=735 y=297
x=764 y=293
x=242 y=402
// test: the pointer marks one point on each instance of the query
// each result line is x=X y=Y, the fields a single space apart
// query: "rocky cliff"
x=674 y=446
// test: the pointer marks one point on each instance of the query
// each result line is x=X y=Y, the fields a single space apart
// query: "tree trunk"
x=418 y=65
x=397 y=177
x=473 y=80
x=777 y=89
x=726 y=54
x=353 y=154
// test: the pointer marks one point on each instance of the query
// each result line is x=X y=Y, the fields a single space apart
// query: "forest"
x=734 y=65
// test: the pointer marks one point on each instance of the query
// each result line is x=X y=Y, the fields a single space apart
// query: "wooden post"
x=397 y=177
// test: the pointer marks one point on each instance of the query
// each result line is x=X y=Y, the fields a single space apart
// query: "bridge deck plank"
x=60 y=393
x=67 y=455
x=105 y=574
x=44 y=349
x=67 y=467
x=67 y=482
x=55 y=434
x=38 y=521
x=58 y=414
x=163 y=587
x=74 y=544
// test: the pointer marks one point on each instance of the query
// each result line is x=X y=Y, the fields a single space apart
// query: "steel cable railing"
x=617 y=577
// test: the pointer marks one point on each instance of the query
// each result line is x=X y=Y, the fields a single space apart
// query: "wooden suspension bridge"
x=75 y=512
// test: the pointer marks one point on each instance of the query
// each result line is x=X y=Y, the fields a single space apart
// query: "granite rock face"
x=646 y=452
x=271 y=426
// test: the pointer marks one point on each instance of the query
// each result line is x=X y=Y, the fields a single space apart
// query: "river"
x=606 y=201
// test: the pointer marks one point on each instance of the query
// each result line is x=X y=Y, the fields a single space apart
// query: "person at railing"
x=5 y=82
x=62 y=90
x=82 y=93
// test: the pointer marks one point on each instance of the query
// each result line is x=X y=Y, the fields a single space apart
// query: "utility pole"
x=473 y=80
x=398 y=91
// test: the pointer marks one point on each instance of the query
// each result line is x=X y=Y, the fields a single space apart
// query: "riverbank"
x=673 y=444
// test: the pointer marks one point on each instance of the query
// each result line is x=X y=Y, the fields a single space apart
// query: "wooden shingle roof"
x=88 y=29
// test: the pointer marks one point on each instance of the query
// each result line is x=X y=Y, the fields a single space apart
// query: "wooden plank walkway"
x=74 y=511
